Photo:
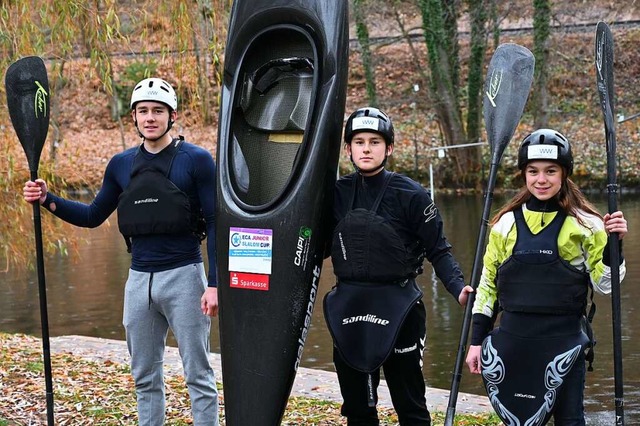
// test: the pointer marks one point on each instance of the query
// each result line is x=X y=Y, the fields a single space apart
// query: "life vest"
x=376 y=288
x=366 y=248
x=152 y=204
x=535 y=278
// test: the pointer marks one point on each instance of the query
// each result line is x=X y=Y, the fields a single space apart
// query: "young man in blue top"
x=164 y=191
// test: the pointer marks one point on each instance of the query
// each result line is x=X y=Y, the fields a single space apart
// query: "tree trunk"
x=450 y=20
x=423 y=77
x=541 y=33
x=478 y=18
x=437 y=18
x=206 y=30
x=56 y=85
x=362 y=33
x=495 y=23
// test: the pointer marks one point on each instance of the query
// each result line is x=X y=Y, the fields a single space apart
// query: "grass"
x=102 y=393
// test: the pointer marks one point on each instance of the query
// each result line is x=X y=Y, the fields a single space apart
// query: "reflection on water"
x=85 y=297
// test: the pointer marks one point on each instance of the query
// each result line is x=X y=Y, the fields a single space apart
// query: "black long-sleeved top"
x=409 y=209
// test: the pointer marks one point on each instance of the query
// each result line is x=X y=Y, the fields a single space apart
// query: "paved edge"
x=309 y=382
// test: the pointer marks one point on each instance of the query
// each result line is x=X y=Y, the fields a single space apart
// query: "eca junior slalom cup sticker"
x=250 y=258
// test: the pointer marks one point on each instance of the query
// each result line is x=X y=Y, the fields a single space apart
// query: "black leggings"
x=403 y=373
x=569 y=408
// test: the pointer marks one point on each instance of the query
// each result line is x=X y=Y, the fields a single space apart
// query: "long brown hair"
x=570 y=198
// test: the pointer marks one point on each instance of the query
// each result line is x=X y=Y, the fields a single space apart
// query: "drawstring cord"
x=150 y=284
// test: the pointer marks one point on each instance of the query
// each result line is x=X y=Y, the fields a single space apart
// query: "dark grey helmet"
x=369 y=119
x=546 y=144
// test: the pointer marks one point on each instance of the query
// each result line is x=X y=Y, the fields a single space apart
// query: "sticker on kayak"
x=249 y=281
x=250 y=250
x=302 y=247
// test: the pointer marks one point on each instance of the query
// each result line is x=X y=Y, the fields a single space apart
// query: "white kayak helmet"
x=156 y=90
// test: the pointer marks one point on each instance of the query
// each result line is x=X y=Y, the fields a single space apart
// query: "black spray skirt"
x=523 y=374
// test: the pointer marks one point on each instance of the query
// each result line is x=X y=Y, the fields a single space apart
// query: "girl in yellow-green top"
x=547 y=246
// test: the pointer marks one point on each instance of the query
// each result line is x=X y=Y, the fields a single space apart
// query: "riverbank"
x=310 y=383
x=91 y=378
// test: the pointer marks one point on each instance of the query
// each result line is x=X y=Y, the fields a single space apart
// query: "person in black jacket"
x=386 y=225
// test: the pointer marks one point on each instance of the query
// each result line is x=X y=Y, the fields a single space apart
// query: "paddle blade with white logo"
x=27 y=88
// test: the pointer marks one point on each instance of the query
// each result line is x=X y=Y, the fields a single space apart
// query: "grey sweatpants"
x=153 y=303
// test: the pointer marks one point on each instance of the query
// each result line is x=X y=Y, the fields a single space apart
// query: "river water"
x=85 y=294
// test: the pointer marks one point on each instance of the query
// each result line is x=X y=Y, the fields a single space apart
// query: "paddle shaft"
x=604 y=80
x=475 y=280
x=44 y=318
x=614 y=256
x=507 y=87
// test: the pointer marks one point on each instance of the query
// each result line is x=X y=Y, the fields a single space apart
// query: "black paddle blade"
x=506 y=90
x=27 y=89
x=604 y=79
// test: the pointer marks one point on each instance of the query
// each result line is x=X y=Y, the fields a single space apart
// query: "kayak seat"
x=273 y=110
x=276 y=96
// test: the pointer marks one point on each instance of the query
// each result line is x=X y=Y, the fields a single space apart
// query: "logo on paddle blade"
x=602 y=87
x=599 y=50
x=40 y=103
x=495 y=81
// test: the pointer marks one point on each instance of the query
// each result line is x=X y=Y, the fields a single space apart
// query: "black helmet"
x=546 y=144
x=369 y=119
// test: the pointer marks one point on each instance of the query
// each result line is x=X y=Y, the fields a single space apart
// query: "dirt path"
x=309 y=382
